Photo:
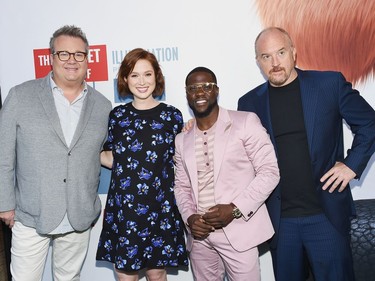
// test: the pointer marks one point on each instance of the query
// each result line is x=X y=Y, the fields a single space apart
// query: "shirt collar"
x=57 y=89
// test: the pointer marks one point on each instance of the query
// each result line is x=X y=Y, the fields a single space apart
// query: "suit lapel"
x=190 y=159
x=263 y=110
x=309 y=102
x=46 y=98
x=222 y=134
x=84 y=117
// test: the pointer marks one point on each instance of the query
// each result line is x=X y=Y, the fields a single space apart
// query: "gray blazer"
x=40 y=176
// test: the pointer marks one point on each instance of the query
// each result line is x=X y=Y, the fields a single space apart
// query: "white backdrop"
x=211 y=33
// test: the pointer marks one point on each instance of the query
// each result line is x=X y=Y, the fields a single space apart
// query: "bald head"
x=274 y=32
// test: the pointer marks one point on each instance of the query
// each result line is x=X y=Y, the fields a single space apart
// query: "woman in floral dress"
x=142 y=226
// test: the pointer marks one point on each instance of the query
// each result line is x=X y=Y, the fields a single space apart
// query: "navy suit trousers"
x=312 y=240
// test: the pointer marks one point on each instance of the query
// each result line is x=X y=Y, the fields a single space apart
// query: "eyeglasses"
x=65 y=55
x=194 y=88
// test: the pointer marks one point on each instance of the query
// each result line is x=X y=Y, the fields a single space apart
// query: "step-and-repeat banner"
x=333 y=35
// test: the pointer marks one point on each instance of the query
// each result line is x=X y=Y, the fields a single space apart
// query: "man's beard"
x=203 y=113
x=280 y=80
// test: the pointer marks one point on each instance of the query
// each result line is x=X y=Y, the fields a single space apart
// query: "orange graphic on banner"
x=97 y=63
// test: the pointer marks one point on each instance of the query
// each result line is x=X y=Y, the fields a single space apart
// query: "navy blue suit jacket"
x=327 y=99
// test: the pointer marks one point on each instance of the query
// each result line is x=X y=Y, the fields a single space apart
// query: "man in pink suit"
x=225 y=169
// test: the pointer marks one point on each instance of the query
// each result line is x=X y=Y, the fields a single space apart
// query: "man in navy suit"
x=303 y=112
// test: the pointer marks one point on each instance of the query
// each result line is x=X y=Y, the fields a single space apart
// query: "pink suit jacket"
x=245 y=173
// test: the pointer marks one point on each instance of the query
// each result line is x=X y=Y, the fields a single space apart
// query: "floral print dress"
x=142 y=226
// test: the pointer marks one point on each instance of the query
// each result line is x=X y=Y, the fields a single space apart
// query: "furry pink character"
x=329 y=35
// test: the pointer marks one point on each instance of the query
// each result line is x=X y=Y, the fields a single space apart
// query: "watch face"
x=237 y=213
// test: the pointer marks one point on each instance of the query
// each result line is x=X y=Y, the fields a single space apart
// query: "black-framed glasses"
x=206 y=88
x=65 y=55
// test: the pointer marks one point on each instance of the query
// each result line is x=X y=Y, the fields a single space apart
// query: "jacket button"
x=64 y=180
x=69 y=153
x=250 y=214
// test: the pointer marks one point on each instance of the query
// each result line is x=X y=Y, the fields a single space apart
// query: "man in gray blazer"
x=52 y=131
